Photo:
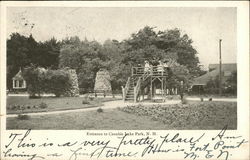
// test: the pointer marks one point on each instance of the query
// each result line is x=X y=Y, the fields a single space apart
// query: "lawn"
x=197 y=116
x=27 y=105
x=89 y=120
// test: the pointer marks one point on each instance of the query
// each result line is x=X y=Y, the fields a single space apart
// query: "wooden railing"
x=137 y=89
x=125 y=89
x=153 y=71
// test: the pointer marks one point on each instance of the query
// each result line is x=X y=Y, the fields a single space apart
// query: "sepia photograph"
x=79 y=68
x=124 y=80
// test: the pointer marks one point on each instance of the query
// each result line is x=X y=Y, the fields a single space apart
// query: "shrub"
x=43 y=105
x=58 y=82
x=91 y=98
x=85 y=102
x=23 y=117
x=99 y=110
x=41 y=80
x=34 y=97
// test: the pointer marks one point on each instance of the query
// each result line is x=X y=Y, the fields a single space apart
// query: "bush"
x=23 y=117
x=34 y=97
x=43 y=105
x=41 y=80
x=85 y=102
x=99 y=110
x=58 y=82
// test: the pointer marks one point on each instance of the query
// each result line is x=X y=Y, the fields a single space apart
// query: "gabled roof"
x=224 y=67
x=18 y=76
x=202 y=80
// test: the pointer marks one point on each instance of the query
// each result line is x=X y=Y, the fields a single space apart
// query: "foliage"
x=192 y=114
x=43 y=105
x=88 y=57
x=85 y=102
x=40 y=81
x=231 y=84
x=212 y=86
x=58 y=82
x=99 y=110
x=23 y=117
x=85 y=57
x=35 y=78
x=23 y=51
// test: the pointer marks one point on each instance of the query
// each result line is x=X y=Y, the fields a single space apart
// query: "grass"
x=53 y=103
x=109 y=119
x=220 y=114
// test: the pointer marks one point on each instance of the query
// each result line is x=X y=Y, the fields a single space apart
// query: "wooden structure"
x=143 y=81
x=18 y=82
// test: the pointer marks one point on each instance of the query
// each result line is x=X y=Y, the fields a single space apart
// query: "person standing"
x=147 y=67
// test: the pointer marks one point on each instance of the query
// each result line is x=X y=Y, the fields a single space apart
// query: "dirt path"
x=120 y=103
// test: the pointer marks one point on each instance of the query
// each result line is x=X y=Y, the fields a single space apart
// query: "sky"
x=205 y=26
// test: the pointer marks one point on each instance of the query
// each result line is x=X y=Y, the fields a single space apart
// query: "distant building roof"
x=18 y=76
x=224 y=67
x=213 y=72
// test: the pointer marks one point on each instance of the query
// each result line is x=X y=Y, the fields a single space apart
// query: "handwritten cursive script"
x=21 y=146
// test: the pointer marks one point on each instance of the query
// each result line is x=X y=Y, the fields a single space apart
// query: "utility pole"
x=220 y=76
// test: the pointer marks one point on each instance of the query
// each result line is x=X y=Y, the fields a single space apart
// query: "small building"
x=18 y=82
x=213 y=71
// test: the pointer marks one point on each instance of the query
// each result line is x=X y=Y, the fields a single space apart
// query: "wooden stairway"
x=130 y=92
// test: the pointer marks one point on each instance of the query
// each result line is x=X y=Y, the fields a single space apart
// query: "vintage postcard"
x=124 y=80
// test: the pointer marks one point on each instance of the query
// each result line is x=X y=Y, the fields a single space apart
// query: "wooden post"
x=220 y=73
x=162 y=90
x=151 y=89
x=123 y=94
x=143 y=90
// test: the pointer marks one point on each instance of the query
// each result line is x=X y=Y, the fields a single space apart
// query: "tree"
x=47 y=54
x=23 y=51
x=231 y=83
x=18 y=55
x=36 y=79
x=163 y=45
x=85 y=57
